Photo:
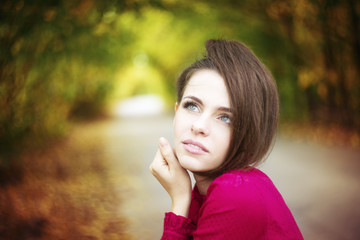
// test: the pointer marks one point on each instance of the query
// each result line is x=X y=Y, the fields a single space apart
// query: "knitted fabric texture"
x=238 y=205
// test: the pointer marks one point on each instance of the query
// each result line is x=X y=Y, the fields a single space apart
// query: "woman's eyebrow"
x=195 y=99
x=225 y=109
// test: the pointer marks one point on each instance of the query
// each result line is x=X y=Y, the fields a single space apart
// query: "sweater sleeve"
x=177 y=227
x=233 y=210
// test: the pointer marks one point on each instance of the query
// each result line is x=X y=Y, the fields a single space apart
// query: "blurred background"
x=87 y=87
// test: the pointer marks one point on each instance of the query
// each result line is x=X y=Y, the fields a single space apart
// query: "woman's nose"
x=200 y=126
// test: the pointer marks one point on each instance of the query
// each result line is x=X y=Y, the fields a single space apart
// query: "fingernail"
x=162 y=141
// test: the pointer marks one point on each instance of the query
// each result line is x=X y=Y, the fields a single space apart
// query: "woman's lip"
x=197 y=145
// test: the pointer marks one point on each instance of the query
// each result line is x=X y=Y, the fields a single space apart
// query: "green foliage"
x=52 y=62
x=65 y=59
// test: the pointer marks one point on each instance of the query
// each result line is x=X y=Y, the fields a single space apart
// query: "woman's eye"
x=225 y=118
x=191 y=106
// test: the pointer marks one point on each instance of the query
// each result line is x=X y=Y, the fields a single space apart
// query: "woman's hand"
x=173 y=177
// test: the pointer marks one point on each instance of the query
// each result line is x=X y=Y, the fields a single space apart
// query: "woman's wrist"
x=181 y=206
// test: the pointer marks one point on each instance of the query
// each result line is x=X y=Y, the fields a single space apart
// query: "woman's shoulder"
x=252 y=195
x=239 y=185
x=241 y=179
x=236 y=194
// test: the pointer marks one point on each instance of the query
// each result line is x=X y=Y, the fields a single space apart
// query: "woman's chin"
x=191 y=165
x=188 y=164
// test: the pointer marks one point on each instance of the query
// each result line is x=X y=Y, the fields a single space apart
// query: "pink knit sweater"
x=238 y=205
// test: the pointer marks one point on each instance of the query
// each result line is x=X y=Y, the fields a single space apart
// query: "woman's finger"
x=158 y=163
x=167 y=152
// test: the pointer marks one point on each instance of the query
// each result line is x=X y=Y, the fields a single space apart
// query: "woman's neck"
x=202 y=183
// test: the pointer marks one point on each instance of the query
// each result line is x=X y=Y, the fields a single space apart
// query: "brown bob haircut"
x=253 y=100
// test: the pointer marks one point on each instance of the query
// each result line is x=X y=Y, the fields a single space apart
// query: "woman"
x=225 y=122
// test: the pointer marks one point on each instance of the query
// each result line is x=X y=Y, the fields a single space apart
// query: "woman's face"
x=202 y=124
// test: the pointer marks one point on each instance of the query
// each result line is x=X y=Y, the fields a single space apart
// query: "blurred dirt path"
x=320 y=184
x=130 y=147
